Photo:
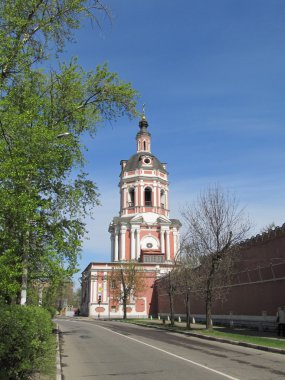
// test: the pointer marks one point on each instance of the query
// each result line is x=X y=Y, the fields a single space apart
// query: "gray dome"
x=136 y=162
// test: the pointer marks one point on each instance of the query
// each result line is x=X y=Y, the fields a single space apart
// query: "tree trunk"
x=25 y=260
x=24 y=286
x=125 y=307
x=125 y=296
x=209 y=296
x=188 y=310
x=171 y=303
x=209 y=325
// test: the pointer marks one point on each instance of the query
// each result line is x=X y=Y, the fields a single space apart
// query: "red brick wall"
x=258 y=284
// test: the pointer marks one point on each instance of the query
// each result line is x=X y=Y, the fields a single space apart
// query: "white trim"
x=137 y=243
x=167 y=245
x=162 y=233
x=133 y=244
x=148 y=237
x=116 y=253
x=104 y=295
x=123 y=243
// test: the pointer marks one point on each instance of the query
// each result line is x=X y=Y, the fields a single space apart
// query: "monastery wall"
x=256 y=289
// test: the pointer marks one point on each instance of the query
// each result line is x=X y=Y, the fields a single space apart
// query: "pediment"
x=150 y=218
x=163 y=220
x=137 y=219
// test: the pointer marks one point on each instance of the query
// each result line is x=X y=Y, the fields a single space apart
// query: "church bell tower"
x=143 y=231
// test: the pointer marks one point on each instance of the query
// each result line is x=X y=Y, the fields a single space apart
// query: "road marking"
x=171 y=354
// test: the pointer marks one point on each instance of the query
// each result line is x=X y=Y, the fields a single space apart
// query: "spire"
x=143 y=136
x=143 y=124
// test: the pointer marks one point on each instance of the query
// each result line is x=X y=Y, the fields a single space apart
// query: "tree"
x=45 y=192
x=125 y=282
x=171 y=284
x=31 y=29
x=188 y=277
x=215 y=225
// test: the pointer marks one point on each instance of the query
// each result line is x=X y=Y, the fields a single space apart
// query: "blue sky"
x=212 y=76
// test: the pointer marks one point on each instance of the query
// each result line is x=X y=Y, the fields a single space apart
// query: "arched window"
x=162 y=199
x=144 y=145
x=132 y=197
x=147 y=196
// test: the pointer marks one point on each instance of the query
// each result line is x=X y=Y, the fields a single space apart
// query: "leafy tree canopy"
x=45 y=192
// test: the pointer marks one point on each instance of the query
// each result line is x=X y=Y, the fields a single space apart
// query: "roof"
x=136 y=162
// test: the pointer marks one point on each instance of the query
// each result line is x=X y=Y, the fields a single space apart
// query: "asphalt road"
x=113 y=350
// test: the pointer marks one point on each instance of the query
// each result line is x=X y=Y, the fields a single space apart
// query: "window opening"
x=162 y=199
x=147 y=197
x=131 y=197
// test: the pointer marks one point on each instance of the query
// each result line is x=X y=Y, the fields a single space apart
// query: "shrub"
x=26 y=339
x=52 y=311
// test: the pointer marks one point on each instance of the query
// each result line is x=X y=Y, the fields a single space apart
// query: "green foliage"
x=44 y=190
x=52 y=311
x=30 y=29
x=26 y=341
x=127 y=280
x=250 y=338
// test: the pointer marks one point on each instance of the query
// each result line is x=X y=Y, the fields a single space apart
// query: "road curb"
x=58 y=361
x=221 y=340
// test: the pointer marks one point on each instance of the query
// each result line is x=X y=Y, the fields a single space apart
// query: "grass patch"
x=260 y=341
x=217 y=333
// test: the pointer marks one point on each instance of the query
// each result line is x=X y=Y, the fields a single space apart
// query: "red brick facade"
x=258 y=282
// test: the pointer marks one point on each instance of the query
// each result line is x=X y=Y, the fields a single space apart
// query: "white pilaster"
x=116 y=248
x=154 y=194
x=91 y=288
x=167 y=246
x=136 y=194
x=123 y=243
x=133 y=244
x=112 y=237
x=138 y=243
x=125 y=197
x=104 y=295
x=93 y=295
x=162 y=245
x=166 y=199
x=142 y=197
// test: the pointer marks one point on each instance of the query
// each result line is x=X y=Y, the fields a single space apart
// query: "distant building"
x=143 y=233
